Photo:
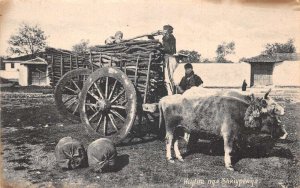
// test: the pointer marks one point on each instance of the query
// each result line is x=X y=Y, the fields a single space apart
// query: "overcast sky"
x=198 y=25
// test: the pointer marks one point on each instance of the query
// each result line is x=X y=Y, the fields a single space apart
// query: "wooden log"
x=61 y=66
x=91 y=62
x=139 y=79
x=141 y=71
x=77 y=66
x=141 y=85
x=136 y=70
x=100 y=60
x=52 y=63
x=125 y=67
x=70 y=62
x=142 y=91
x=108 y=57
x=148 y=77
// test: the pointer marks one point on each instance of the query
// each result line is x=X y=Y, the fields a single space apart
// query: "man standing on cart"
x=169 y=41
x=169 y=48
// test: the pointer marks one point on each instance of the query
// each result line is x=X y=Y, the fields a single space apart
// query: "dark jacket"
x=189 y=81
x=169 y=44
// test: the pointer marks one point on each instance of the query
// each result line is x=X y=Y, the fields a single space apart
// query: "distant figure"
x=189 y=80
x=169 y=41
x=244 y=86
x=115 y=39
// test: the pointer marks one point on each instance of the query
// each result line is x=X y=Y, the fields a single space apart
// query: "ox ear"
x=250 y=98
x=186 y=103
x=264 y=103
x=268 y=92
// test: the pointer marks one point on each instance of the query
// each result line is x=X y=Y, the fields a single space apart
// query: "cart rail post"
x=148 y=78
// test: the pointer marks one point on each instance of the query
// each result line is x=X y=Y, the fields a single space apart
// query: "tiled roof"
x=36 y=61
x=278 y=57
x=22 y=58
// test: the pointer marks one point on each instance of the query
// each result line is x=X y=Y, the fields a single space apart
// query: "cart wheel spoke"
x=98 y=90
x=94 y=115
x=76 y=108
x=91 y=106
x=99 y=123
x=106 y=88
x=70 y=89
x=66 y=101
x=119 y=107
x=112 y=119
x=118 y=115
x=71 y=103
x=75 y=84
x=105 y=125
x=93 y=95
x=116 y=98
x=112 y=90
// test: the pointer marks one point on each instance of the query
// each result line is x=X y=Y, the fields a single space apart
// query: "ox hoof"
x=180 y=160
x=284 y=136
x=230 y=168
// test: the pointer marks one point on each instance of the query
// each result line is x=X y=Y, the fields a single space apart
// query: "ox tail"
x=161 y=123
x=161 y=116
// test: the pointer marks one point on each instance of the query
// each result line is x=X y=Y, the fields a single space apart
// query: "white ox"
x=225 y=114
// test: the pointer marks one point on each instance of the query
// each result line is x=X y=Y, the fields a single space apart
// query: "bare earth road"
x=31 y=127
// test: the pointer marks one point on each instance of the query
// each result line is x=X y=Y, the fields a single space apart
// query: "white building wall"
x=23 y=75
x=287 y=73
x=8 y=67
x=218 y=74
x=10 y=75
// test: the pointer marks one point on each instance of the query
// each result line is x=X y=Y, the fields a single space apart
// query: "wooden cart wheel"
x=108 y=104
x=67 y=92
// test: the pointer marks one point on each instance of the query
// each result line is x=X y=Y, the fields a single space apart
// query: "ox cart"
x=107 y=88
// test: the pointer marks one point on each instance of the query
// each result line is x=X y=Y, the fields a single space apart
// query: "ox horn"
x=268 y=92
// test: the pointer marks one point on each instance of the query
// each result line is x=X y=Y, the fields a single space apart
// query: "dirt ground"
x=31 y=127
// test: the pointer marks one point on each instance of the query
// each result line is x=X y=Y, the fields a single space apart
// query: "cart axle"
x=103 y=105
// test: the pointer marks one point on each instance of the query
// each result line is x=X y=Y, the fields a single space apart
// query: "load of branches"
x=129 y=52
x=133 y=58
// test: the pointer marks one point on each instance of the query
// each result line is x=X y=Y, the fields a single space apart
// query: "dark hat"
x=168 y=27
x=188 y=65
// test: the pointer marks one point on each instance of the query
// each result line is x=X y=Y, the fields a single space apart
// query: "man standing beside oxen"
x=189 y=80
